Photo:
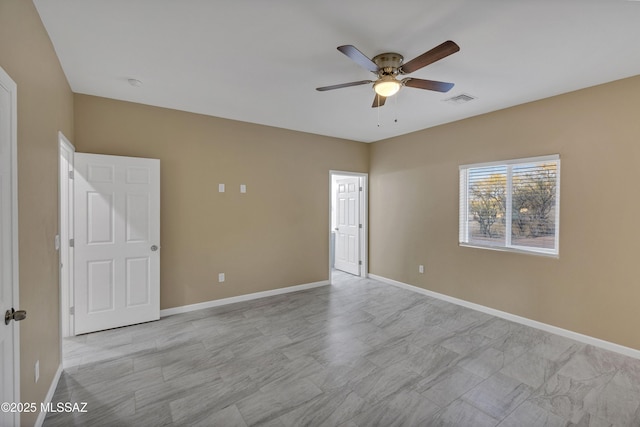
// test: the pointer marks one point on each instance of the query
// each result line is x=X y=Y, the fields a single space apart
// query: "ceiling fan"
x=388 y=65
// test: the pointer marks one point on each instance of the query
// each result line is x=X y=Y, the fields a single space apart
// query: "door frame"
x=364 y=218
x=12 y=88
x=65 y=218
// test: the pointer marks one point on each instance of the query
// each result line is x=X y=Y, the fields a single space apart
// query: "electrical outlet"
x=220 y=188
x=243 y=188
x=220 y=277
x=421 y=269
x=37 y=370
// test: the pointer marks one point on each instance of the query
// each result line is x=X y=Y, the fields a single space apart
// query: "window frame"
x=506 y=245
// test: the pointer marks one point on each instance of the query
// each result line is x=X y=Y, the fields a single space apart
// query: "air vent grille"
x=463 y=98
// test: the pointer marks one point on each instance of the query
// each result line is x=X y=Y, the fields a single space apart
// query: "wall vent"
x=460 y=99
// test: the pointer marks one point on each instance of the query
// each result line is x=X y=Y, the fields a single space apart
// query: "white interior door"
x=347 y=250
x=117 y=240
x=9 y=333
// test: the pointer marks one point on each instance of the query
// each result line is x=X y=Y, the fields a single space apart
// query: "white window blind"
x=511 y=205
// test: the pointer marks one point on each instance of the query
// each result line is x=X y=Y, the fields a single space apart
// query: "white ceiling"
x=260 y=61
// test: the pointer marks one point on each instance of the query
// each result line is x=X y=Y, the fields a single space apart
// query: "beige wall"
x=45 y=106
x=593 y=288
x=275 y=235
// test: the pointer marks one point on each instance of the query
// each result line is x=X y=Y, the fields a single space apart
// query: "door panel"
x=117 y=236
x=347 y=251
x=138 y=210
x=99 y=218
x=138 y=281
x=100 y=286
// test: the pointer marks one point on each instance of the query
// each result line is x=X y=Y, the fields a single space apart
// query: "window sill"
x=517 y=250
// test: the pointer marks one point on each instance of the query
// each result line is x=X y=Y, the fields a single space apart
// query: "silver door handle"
x=154 y=248
x=14 y=315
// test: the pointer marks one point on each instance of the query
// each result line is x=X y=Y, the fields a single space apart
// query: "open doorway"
x=109 y=240
x=348 y=227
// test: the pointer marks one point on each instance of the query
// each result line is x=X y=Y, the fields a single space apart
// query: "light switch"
x=220 y=188
x=56 y=242
x=243 y=188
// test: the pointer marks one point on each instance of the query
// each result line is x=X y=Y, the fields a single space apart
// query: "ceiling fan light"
x=387 y=86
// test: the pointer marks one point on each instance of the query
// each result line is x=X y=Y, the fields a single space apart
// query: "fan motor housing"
x=388 y=63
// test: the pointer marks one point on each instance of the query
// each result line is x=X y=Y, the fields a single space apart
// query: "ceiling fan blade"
x=428 y=84
x=437 y=53
x=359 y=57
x=361 y=82
x=378 y=101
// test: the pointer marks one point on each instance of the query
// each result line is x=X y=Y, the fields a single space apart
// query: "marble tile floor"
x=357 y=353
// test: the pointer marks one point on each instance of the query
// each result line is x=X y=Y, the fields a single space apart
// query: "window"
x=512 y=205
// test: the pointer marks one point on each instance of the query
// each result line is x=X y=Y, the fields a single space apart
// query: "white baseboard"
x=240 y=298
x=49 y=396
x=627 y=351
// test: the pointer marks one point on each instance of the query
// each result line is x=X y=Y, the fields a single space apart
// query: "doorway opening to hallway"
x=348 y=223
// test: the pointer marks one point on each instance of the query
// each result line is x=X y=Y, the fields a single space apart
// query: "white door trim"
x=12 y=88
x=364 y=217
x=65 y=231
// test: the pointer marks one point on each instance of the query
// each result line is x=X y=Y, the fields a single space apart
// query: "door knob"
x=154 y=248
x=14 y=315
